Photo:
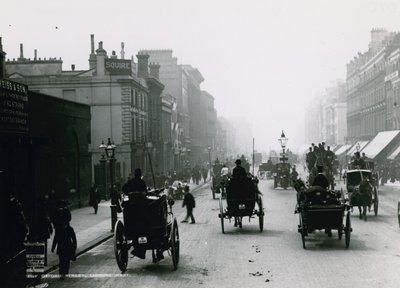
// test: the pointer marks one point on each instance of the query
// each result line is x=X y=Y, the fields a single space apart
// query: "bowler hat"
x=238 y=161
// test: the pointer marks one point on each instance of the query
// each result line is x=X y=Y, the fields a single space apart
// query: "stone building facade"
x=124 y=98
x=370 y=97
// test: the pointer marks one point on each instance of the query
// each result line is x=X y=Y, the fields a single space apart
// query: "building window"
x=133 y=92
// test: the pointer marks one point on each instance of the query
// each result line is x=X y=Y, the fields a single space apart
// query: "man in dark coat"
x=238 y=171
x=94 y=197
x=65 y=240
x=320 y=179
x=136 y=188
x=136 y=184
x=190 y=203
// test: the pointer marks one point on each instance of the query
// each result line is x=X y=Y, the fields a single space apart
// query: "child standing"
x=65 y=240
x=190 y=203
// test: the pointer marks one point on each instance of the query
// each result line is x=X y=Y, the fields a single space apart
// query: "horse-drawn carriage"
x=148 y=224
x=322 y=209
x=265 y=170
x=242 y=195
x=282 y=175
x=362 y=191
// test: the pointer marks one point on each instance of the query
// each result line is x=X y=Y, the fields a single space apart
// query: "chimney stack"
x=101 y=55
x=155 y=70
x=91 y=43
x=92 y=56
x=21 y=52
x=122 y=50
x=2 y=61
x=113 y=55
x=73 y=67
x=35 y=57
x=143 y=65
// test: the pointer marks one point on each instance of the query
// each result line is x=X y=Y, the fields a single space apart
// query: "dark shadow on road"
x=319 y=241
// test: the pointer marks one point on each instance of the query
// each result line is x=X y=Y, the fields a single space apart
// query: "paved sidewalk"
x=91 y=229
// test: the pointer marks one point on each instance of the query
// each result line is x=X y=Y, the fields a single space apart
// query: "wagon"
x=362 y=194
x=323 y=209
x=242 y=195
x=282 y=175
x=148 y=223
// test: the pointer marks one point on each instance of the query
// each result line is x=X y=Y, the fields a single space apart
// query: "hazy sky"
x=262 y=59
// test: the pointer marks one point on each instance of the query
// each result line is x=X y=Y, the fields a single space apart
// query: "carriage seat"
x=320 y=195
x=144 y=215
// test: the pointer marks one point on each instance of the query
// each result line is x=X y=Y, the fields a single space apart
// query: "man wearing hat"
x=320 y=179
x=239 y=171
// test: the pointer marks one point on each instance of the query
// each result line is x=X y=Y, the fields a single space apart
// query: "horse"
x=362 y=198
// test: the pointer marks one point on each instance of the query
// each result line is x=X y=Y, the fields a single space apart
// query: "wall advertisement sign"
x=118 y=66
x=13 y=107
x=35 y=256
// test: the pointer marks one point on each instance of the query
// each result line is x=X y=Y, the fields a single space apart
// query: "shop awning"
x=379 y=143
x=337 y=147
x=394 y=154
x=353 y=149
x=343 y=149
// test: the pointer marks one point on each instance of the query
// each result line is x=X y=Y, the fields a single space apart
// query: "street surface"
x=249 y=258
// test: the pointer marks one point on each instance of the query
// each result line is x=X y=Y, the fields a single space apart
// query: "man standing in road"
x=190 y=203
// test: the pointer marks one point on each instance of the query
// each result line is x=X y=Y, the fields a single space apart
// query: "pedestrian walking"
x=190 y=203
x=94 y=197
x=65 y=241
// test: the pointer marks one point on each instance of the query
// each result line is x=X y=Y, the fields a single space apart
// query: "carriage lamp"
x=283 y=140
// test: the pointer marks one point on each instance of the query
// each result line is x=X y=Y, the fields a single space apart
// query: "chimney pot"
x=73 y=67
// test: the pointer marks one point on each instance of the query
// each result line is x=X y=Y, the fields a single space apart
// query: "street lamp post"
x=283 y=140
x=109 y=151
x=209 y=158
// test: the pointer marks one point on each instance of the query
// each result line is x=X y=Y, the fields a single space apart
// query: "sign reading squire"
x=118 y=66
x=13 y=107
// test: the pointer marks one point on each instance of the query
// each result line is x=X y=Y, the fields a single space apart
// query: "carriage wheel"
x=260 y=214
x=398 y=212
x=340 y=232
x=302 y=230
x=376 y=202
x=347 y=230
x=120 y=246
x=221 y=212
x=175 y=243
x=275 y=182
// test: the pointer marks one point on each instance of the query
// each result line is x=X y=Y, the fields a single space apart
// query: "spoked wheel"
x=260 y=214
x=175 y=243
x=347 y=229
x=398 y=212
x=302 y=231
x=376 y=202
x=120 y=246
x=221 y=212
x=340 y=232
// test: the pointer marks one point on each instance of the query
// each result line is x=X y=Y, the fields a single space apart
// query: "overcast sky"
x=263 y=59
